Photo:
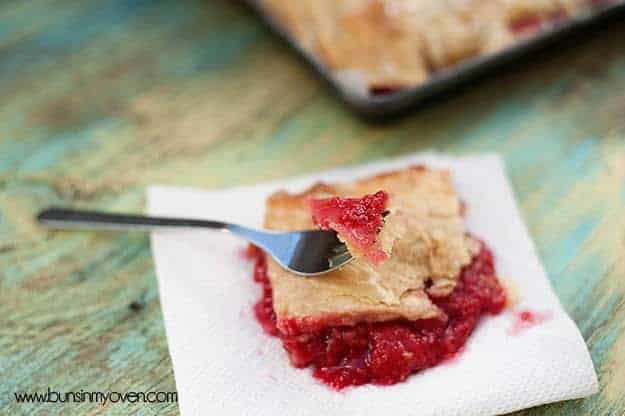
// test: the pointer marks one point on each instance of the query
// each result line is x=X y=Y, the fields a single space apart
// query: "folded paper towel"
x=224 y=364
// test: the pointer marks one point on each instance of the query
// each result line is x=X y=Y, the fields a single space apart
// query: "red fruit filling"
x=356 y=220
x=526 y=319
x=388 y=352
x=383 y=90
x=530 y=23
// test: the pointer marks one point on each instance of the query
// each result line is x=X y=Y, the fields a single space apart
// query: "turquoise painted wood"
x=100 y=98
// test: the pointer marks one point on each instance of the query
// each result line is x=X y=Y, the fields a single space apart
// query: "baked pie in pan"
x=418 y=286
x=389 y=45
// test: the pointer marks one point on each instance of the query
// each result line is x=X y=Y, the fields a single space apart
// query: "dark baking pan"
x=445 y=81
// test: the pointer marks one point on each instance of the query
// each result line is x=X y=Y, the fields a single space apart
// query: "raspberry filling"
x=530 y=23
x=381 y=90
x=525 y=319
x=386 y=353
x=357 y=221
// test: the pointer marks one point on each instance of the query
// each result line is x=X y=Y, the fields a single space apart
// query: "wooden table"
x=99 y=99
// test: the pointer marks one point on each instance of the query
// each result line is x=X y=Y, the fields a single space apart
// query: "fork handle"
x=70 y=218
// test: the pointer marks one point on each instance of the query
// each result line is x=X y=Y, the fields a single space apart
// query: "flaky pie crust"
x=429 y=249
x=392 y=44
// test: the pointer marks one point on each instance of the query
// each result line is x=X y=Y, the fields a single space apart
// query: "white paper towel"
x=225 y=365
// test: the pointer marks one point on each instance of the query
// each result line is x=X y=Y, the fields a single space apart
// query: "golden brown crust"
x=430 y=245
x=399 y=43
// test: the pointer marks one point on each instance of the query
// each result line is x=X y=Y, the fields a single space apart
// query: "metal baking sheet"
x=448 y=79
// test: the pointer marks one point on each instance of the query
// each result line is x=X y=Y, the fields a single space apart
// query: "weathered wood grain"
x=100 y=98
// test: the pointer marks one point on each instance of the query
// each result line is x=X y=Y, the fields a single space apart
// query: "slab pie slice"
x=423 y=208
x=417 y=287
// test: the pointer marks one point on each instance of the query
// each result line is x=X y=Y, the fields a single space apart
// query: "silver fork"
x=306 y=253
